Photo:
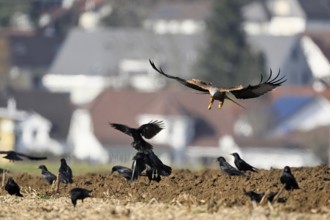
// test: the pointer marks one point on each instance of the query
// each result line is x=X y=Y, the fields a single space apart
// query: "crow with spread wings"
x=15 y=156
x=148 y=131
x=145 y=158
x=220 y=94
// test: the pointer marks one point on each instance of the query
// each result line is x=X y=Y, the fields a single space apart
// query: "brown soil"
x=206 y=187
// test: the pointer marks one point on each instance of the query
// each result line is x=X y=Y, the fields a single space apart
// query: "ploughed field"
x=184 y=194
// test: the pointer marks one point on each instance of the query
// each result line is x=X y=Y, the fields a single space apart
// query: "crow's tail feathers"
x=156 y=163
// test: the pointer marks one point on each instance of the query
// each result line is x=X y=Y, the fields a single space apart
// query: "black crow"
x=123 y=171
x=254 y=196
x=79 y=193
x=148 y=159
x=242 y=165
x=15 y=156
x=12 y=188
x=148 y=131
x=48 y=176
x=228 y=169
x=3 y=170
x=258 y=196
x=288 y=179
x=65 y=172
x=153 y=166
x=153 y=174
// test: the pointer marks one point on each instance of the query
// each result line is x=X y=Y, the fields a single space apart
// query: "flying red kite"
x=220 y=94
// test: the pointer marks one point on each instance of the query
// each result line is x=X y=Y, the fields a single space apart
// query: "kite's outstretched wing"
x=193 y=84
x=260 y=89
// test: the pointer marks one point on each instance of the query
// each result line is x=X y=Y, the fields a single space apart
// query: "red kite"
x=220 y=94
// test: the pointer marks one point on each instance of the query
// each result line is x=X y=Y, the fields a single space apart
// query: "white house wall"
x=287 y=25
x=317 y=62
x=33 y=136
x=82 y=88
x=82 y=139
x=177 y=133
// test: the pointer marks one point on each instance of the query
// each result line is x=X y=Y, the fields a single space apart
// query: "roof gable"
x=276 y=48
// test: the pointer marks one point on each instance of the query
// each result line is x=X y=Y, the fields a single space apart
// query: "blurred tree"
x=9 y=7
x=227 y=59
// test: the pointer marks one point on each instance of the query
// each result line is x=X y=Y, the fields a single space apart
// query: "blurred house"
x=286 y=17
x=303 y=60
x=25 y=57
x=285 y=53
x=320 y=59
x=39 y=121
x=178 y=17
x=90 y=61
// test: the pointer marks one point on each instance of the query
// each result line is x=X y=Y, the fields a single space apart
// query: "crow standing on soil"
x=12 y=188
x=65 y=172
x=148 y=131
x=15 y=156
x=48 y=176
x=288 y=179
x=242 y=165
x=79 y=193
x=227 y=168
x=154 y=166
x=141 y=162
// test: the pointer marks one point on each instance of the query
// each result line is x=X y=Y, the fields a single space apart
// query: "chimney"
x=11 y=105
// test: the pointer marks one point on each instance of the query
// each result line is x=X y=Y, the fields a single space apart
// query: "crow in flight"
x=220 y=94
x=288 y=179
x=12 y=188
x=242 y=165
x=15 y=156
x=48 y=176
x=79 y=193
x=148 y=131
x=227 y=168
x=65 y=172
